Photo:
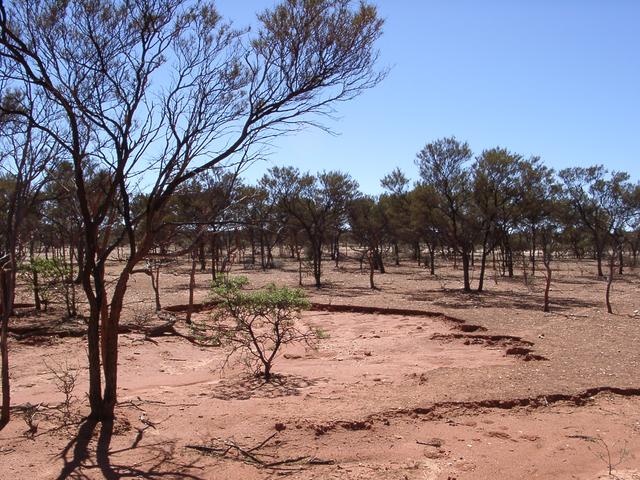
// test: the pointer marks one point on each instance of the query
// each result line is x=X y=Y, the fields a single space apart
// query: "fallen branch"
x=252 y=457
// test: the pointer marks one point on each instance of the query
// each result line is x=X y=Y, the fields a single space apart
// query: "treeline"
x=497 y=207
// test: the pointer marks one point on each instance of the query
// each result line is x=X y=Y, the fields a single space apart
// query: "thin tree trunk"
x=155 y=284
x=214 y=258
x=547 y=288
x=533 y=252
x=371 y=269
x=201 y=256
x=432 y=261
x=598 y=253
x=620 y=261
x=612 y=264
x=263 y=260
x=36 y=284
x=192 y=286
x=317 y=264
x=483 y=264
x=465 y=271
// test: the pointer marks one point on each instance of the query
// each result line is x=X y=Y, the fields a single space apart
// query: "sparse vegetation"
x=405 y=303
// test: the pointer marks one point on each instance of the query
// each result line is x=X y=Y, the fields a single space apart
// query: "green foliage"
x=51 y=275
x=321 y=333
x=255 y=324
x=271 y=301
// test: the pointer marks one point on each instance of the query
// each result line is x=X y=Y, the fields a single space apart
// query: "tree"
x=257 y=324
x=496 y=193
x=396 y=204
x=167 y=89
x=583 y=188
x=538 y=188
x=443 y=166
x=369 y=228
x=426 y=220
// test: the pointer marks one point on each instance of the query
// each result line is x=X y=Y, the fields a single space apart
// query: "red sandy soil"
x=485 y=386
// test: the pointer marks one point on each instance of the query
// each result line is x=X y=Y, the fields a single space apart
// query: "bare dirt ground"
x=483 y=386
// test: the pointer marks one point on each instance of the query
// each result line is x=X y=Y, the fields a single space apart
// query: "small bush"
x=256 y=324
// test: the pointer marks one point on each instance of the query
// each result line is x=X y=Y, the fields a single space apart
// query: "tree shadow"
x=460 y=300
x=253 y=386
x=152 y=461
x=333 y=289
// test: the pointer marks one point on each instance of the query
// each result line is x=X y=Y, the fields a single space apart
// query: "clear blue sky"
x=559 y=79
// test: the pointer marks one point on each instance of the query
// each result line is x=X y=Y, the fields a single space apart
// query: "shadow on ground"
x=84 y=456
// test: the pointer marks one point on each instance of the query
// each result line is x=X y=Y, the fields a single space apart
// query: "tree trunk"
x=509 y=260
x=377 y=256
x=155 y=284
x=620 y=261
x=110 y=347
x=432 y=260
x=533 y=252
x=253 y=246
x=547 y=266
x=270 y=262
x=598 y=252
x=317 y=264
x=96 y=302
x=465 y=270
x=612 y=264
x=396 y=253
x=214 y=257
x=192 y=286
x=483 y=264
x=371 y=269
x=80 y=256
x=201 y=256
x=36 y=284
x=7 y=307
